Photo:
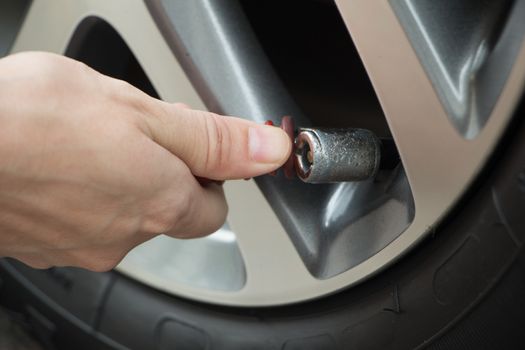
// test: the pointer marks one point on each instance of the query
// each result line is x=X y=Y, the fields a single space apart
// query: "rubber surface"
x=463 y=288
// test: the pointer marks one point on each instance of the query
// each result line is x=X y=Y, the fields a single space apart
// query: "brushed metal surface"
x=467 y=48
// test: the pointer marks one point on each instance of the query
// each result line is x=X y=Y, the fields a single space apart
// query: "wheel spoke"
x=438 y=160
x=424 y=137
x=269 y=255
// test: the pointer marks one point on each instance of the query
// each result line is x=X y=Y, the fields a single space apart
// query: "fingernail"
x=268 y=144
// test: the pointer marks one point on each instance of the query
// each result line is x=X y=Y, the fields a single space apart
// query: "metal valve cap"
x=336 y=155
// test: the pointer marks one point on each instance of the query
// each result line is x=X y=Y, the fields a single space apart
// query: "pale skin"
x=91 y=167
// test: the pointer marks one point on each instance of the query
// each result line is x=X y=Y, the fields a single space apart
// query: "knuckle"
x=218 y=137
x=51 y=76
x=122 y=87
x=101 y=263
x=217 y=220
x=41 y=68
x=33 y=260
x=209 y=221
x=221 y=218
x=211 y=227
x=100 y=267
x=37 y=264
x=48 y=76
x=160 y=222
x=101 y=258
x=171 y=213
x=41 y=60
x=185 y=208
x=125 y=93
x=55 y=68
x=130 y=99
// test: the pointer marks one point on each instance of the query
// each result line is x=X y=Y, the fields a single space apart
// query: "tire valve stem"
x=335 y=155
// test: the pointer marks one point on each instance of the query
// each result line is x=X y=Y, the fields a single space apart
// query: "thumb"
x=218 y=147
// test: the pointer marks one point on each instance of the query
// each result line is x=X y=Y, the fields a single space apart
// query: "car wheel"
x=426 y=254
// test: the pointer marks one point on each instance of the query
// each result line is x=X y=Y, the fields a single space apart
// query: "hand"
x=90 y=166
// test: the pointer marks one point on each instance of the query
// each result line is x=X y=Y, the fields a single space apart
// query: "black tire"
x=462 y=288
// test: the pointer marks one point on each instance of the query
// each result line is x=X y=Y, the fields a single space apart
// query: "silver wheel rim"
x=266 y=264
